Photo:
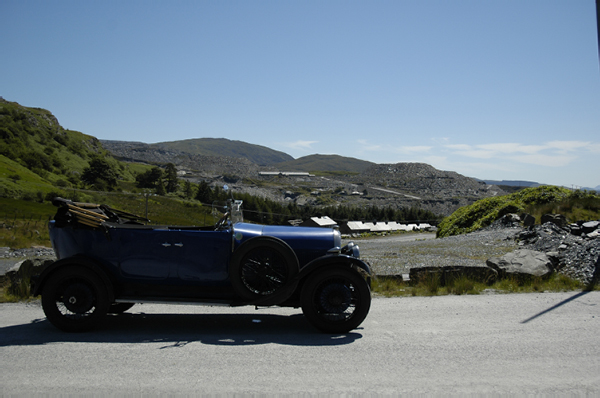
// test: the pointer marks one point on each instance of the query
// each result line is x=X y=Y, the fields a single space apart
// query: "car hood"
x=307 y=242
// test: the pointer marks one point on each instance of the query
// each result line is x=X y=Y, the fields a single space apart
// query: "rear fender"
x=82 y=261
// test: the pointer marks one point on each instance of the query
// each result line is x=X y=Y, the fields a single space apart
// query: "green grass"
x=392 y=287
x=431 y=286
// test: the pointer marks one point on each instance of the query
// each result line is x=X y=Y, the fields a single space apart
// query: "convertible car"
x=108 y=260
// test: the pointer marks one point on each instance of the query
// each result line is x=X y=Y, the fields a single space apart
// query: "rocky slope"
x=421 y=185
x=398 y=185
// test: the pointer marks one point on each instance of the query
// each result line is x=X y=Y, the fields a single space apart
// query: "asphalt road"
x=546 y=343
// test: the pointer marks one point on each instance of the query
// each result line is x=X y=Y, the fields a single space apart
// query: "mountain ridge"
x=342 y=181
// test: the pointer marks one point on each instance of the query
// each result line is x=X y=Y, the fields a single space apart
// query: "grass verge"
x=431 y=286
x=393 y=287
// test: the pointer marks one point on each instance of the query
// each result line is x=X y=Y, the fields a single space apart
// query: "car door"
x=190 y=255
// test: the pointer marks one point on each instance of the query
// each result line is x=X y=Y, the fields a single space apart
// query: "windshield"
x=236 y=212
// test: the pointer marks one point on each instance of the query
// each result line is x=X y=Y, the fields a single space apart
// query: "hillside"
x=198 y=148
x=37 y=154
x=402 y=185
x=421 y=185
x=313 y=163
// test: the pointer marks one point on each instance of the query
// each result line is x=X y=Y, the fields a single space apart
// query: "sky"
x=501 y=90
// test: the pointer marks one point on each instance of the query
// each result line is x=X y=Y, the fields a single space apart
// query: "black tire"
x=74 y=299
x=261 y=267
x=336 y=299
x=119 y=308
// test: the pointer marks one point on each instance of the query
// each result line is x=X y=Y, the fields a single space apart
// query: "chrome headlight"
x=351 y=249
x=337 y=238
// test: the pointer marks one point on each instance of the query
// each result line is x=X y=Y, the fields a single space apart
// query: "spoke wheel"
x=74 y=299
x=336 y=300
x=261 y=267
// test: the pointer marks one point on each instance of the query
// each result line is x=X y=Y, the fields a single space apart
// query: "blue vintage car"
x=108 y=260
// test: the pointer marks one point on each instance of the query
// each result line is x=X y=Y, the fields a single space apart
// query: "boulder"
x=522 y=263
x=557 y=219
x=21 y=273
x=527 y=219
x=575 y=229
x=590 y=226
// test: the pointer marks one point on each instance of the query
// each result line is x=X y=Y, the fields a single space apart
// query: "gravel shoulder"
x=397 y=254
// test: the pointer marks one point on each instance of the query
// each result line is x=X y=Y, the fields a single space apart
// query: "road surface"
x=547 y=343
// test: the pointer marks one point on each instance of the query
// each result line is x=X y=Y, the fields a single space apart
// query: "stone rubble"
x=573 y=249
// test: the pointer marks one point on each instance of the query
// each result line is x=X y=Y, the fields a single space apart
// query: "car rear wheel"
x=262 y=267
x=336 y=300
x=74 y=299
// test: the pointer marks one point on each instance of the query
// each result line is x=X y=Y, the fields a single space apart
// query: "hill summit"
x=222 y=147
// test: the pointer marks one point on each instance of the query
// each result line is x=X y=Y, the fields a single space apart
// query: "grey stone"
x=481 y=274
x=575 y=229
x=24 y=270
x=527 y=219
x=590 y=226
x=593 y=235
x=557 y=219
x=522 y=263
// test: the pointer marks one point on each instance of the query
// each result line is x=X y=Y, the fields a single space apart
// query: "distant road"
x=395 y=193
x=517 y=344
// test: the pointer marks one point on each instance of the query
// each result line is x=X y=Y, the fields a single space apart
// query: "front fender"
x=337 y=259
x=37 y=283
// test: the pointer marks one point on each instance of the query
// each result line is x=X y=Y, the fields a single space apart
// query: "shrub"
x=577 y=205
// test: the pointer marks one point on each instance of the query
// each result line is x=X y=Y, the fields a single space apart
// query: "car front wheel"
x=74 y=299
x=336 y=300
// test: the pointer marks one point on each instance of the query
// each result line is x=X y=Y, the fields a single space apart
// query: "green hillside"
x=574 y=205
x=37 y=154
x=223 y=147
x=330 y=163
x=40 y=160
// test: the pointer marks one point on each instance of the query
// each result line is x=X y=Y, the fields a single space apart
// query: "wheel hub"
x=78 y=298
x=336 y=298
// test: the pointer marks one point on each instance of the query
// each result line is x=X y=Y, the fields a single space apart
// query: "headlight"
x=351 y=249
x=337 y=238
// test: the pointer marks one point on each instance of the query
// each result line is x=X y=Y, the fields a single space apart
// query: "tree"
x=160 y=188
x=149 y=178
x=188 y=190
x=171 y=176
x=100 y=174
x=204 y=193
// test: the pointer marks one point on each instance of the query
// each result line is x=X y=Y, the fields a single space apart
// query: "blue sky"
x=490 y=89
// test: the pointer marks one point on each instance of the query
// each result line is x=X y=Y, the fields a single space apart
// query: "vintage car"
x=108 y=260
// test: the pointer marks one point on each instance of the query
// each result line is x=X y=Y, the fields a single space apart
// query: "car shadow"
x=179 y=330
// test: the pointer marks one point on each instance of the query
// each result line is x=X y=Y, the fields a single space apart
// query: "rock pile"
x=574 y=249
x=554 y=246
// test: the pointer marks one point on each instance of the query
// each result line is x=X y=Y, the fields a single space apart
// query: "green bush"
x=575 y=205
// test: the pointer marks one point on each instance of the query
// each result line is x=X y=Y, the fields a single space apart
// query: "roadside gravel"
x=397 y=254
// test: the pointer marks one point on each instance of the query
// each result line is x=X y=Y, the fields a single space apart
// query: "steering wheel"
x=222 y=221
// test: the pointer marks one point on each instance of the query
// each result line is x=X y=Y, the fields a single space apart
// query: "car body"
x=107 y=261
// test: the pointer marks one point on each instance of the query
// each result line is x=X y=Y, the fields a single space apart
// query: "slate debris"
x=574 y=248
x=548 y=248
